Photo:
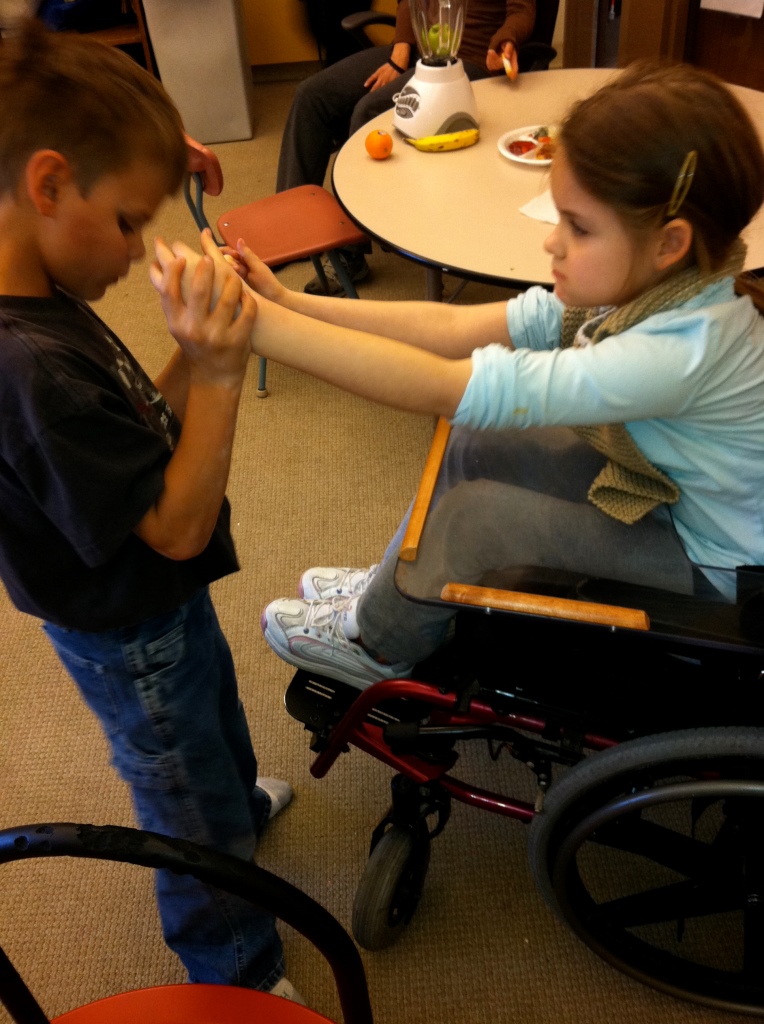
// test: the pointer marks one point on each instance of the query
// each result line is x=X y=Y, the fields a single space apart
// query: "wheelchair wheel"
x=653 y=853
x=390 y=888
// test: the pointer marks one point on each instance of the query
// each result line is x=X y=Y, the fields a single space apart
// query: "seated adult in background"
x=331 y=105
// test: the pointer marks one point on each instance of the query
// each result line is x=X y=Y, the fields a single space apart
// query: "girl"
x=645 y=350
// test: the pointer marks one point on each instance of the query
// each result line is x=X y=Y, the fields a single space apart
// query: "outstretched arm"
x=451 y=331
x=374 y=367
x=380 y=368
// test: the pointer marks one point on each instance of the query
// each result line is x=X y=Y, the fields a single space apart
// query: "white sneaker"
x=320 y=583
x=311 y=636
x=279 y=791
x=286 y=990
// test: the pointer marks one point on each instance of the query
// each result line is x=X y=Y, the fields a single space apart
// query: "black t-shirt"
x=84 y=441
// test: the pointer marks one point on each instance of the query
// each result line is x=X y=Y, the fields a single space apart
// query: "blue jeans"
x=165 y=693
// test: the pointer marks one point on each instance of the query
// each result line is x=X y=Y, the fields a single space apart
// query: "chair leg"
x=339 y=269
x=319 y=269
x=262 y=364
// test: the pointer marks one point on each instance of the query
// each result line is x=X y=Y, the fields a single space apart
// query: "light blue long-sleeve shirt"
x=688 y=384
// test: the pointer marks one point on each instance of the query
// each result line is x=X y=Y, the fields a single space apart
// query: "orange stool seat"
x=293 y=225
x=192 y=1004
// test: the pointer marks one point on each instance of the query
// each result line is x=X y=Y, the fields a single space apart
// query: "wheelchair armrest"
x=549 y=607
x=413 y=534
x=357 y=22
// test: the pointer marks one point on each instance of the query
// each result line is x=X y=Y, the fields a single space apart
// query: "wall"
x=278 y=33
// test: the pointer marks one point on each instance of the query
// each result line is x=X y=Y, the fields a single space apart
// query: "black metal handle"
x=253 y=883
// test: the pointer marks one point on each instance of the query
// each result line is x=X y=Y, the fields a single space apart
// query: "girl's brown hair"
x=627 y=143
x=88 y=101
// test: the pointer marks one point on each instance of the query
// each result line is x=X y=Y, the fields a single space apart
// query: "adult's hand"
x=382 y=76
x=495 y=58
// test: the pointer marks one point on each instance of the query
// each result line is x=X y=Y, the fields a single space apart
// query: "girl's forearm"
x=381 y=369
x=450 y=331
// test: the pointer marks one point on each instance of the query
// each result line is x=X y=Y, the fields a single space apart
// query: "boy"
x=113 y=517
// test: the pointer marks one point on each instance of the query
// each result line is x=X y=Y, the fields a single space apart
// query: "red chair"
x=188 y=1004
x=293 y=225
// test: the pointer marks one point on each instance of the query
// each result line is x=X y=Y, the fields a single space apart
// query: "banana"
x=441 y=143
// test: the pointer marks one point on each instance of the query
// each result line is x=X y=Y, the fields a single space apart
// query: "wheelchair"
x=646 y=834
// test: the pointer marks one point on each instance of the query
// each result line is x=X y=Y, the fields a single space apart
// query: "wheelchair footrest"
x=316 y=701
x=319 y=703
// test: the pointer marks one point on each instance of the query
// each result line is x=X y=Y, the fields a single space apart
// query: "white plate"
x=522 y=133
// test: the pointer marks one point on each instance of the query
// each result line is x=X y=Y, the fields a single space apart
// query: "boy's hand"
x=259 y=277
x=212 y=330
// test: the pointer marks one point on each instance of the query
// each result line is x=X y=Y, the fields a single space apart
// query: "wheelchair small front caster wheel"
x=390 y=888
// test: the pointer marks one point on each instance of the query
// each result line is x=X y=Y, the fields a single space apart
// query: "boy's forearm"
x=181 y=522
x=373 y=367
x=172 y=383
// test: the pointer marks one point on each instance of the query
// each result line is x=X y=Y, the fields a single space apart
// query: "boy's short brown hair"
x=88 y=101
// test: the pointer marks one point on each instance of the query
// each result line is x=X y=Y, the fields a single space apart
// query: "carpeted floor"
x=318 y=477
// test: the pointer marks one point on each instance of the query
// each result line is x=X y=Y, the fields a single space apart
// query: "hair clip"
x=683 y=182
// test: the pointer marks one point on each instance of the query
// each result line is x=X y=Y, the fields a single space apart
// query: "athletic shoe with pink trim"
x=311 y=635
x=323 y=582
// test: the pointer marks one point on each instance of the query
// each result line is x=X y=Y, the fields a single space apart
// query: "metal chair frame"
x=253 y=883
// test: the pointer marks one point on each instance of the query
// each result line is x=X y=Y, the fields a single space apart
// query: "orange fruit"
x=379 y=145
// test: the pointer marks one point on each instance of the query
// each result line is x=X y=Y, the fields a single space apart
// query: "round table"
x=458 y=212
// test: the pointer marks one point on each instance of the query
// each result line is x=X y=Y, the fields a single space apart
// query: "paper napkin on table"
x=541 y=208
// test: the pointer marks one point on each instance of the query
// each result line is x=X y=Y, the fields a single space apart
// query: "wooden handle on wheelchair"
x=413 y=534
x=551 y=607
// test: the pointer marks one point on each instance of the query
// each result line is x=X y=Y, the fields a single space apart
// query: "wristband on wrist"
x=396 y=67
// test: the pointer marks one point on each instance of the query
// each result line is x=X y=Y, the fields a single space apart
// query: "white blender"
x=438 y=99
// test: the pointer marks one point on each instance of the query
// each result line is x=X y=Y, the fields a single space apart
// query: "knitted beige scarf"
x=630 y=486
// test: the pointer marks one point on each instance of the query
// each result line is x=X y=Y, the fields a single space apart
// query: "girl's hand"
x=232 y=258
x=208 y=312
x=259 y=277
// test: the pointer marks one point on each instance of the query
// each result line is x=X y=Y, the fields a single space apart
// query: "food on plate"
x=538 y=144
x=522 y=146
x=379 y=144
x=545 y=150
x=442 y=143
